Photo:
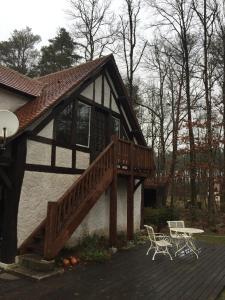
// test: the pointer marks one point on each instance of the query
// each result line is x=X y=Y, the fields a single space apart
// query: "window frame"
x=116 y=118
x=89 y=126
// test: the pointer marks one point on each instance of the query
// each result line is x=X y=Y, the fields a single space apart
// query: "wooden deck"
x=131 y=275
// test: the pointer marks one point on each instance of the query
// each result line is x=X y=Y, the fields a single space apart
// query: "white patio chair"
x=177 y=238
x=159 y=242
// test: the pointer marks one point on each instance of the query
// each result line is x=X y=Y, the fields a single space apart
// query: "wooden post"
x=113 y=199
x=113 y=212
x=130 y=197
x=142 y=205
x=130 y=207
x=50 y=229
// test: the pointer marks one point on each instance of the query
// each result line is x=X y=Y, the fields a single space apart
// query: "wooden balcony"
x=133 y=159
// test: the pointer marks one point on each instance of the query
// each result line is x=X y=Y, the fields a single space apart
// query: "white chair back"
x=176 y=224
x=151 y=234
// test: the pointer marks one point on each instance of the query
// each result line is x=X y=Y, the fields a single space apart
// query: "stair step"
x=37 y=275
x=36 y=263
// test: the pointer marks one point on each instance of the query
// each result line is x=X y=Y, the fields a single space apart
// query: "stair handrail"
x=72 y=198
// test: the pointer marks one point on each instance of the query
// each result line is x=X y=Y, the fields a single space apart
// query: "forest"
x=171 y=54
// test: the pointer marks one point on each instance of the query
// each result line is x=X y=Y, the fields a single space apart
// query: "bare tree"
x=206 y=11
x=219 y=51
x=175 y=16
x=93 y=28
x=175 y=87
x=133 y=47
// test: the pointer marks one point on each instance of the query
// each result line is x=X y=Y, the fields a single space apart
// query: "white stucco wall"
x=82 y=160
x=111 y=83
x=125 y=116
x=98 y=90
x=47 y=131
x=114 y=106
x=11 y=101
x=38 y=188
x=106 y=94
x=88 y=92
x=97 y=220
x=63 y=157
x=38 y=153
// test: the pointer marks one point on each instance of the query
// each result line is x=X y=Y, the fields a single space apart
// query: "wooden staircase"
x=65 y=215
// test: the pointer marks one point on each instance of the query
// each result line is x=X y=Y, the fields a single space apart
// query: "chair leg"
x=149 y=248
x=153 y=258
x=167 y=250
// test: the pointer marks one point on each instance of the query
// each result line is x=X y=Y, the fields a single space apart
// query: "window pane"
x=83 y=122
x=124 y=134
x=116 y=126
x=63 y=125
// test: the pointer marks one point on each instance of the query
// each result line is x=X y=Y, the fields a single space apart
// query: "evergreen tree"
x=59 y=55
x=19 y=51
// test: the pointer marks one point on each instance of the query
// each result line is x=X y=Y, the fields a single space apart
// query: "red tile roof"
x=20 y=83
x=56 y=85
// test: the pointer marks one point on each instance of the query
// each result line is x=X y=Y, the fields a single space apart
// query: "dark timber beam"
x=15 y=174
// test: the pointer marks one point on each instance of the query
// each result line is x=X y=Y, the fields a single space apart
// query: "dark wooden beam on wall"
x=103 y=90
x=5 y=178
x=50 y=169
x=15 y=174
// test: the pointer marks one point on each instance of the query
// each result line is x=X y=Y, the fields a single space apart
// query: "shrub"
x=160 y=216
x=94 y=248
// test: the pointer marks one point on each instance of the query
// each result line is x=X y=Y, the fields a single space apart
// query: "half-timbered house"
x=76 y=164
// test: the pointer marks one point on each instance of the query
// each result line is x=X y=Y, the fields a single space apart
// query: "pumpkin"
x=73 y=260
x=66 y=262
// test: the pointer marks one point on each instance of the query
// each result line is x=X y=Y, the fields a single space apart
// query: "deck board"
x=133 y=275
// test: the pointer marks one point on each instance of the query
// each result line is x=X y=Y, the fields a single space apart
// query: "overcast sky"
x=43 y=16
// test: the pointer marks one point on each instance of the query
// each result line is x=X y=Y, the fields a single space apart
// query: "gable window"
x=83 y=114
x=115 y=126
x=63 y=125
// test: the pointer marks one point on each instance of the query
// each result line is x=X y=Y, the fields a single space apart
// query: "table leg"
x=190 y=245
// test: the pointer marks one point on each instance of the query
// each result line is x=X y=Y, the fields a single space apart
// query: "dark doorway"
x=99 y=132
x=150 y=199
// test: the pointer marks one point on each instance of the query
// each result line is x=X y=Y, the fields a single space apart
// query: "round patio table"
x=187 y=235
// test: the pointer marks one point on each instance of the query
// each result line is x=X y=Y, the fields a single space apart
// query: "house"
x=63 y=175
x=155 y=191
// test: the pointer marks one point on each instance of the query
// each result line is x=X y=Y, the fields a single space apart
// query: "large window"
x=63 y=125
x=116 y=126
x=83 y=124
